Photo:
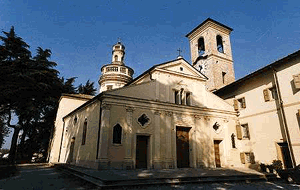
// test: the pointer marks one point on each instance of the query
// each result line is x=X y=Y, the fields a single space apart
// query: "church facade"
x=168 y=117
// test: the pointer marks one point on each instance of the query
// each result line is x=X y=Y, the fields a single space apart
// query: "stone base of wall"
x=103 y=164
x=86 y=164
x=128 y=164
x=157 y=164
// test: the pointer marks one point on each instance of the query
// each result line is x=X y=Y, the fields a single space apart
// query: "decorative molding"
x=197 y=116
x=129 y=109
x=206 y=118
x=106 y=106
x=168 y=113
x=157 y=112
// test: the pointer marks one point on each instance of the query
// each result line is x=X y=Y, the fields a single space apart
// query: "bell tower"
x=211 y=53
x=116 y=74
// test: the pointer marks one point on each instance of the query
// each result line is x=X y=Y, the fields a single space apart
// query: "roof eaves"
x=208 y=19
x=259 y=71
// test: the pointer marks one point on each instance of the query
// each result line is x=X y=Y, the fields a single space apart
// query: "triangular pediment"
x=181 y=66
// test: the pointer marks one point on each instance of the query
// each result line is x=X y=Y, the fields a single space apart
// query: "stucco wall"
x=84 y=155
x=66 y=105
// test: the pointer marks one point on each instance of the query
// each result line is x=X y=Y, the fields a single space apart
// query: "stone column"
x=169 y=160
x=104 y=132
x=156 y=157
x=128 y=160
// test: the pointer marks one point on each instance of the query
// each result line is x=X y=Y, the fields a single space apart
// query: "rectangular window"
x=245 y=130
x=297 y=81
x=270 y=94
x=223 y=77
x=109 y=87
x=84 y=132
x=247 y=157
x=177 y=98
x=242 y=102
x=182 y=97
x=188 y=98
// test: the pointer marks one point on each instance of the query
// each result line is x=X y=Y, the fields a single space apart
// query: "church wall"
x=143 y=90
x=66 y=105
x=161 y=130
x=81 y=154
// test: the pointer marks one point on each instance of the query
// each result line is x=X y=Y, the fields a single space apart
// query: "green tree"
x=88 y=88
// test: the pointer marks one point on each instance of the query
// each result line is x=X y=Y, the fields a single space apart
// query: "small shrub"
x=277 y=165
x=263 y=167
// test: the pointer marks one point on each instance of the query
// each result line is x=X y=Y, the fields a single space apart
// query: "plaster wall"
x=83 y=154
x=66 y=105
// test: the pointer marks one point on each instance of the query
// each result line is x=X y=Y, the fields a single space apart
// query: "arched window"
x=84 y=132
x=116 y=58
x=220 y=44
x=201 y=46
x=117 y=134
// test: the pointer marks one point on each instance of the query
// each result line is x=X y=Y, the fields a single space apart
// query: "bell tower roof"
x=208 y=20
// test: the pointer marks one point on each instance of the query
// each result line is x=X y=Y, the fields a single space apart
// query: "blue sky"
x=80 y=33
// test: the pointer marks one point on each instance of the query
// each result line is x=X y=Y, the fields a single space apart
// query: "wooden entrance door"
x=217 y=153
x=142 y=151
x=182 y=144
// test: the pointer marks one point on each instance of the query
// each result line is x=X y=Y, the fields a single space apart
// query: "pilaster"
x=103 y=143
x=128 y=160
x=168 y=159
x=157 y=159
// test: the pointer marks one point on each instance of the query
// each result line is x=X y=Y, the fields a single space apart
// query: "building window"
x=220 y=44
x=247 y=157
x=223 y=77
x=84 y=132
x=297 y=81
x=242 y=131
x=239 y=103
x=116 y=58
x=109 y=87
x=177 y=96
x=270 y=94
x=117 y=134
x=182 y=97
x=143 y=120
x=75 y=120
x=188 y=98
x=246 y=134
x=201 y=46
x=233 y=141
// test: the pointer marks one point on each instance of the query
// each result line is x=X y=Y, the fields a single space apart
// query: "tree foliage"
x=30 y=90
x=88 y=88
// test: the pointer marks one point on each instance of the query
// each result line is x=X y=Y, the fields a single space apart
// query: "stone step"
x=163 y=181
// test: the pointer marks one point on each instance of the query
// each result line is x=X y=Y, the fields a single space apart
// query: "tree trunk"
x=13 y=146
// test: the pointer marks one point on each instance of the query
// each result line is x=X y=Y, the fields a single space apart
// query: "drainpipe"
x=284 y=118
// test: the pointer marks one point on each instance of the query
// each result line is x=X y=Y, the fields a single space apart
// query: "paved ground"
x=223 y=186
x=164 y=173
x=42 y=177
